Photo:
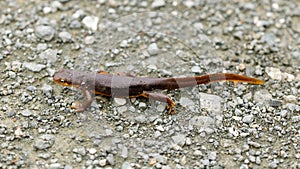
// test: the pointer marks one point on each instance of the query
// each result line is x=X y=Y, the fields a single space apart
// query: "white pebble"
x=91 y=22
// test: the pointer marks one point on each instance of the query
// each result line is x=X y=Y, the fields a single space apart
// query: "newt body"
x=129 y=86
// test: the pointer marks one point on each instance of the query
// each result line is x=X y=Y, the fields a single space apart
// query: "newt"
x=128 y=86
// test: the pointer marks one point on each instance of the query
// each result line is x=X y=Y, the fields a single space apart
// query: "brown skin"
x=128 y=86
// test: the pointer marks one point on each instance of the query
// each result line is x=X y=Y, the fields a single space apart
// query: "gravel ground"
x=216 y=126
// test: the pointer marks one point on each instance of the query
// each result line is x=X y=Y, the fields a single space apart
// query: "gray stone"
x=110 y=159
x=212 y=155
x=80 y=150
x=102 y=162
x=248 y=118
x=158 y=3
x=46 y=89
x=41 y=46
x=55 y=165
x=184 y=101
x=50 y=55
x=65 y=36
x=126 y=165
x=26 y=113
x=124 y=153
x=262 y=96
x=44 y=142
x=153 y=49
x=33 y=66
x=45 y=32
x=92 y=151
x=196 y=69
x=179 y=139
x=91 y=22
x=89 y=40
x=120 y=101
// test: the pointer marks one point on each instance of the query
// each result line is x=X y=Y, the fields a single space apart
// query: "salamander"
x=128 y=86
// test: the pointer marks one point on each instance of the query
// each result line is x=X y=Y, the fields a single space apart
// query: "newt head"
x=65 y=77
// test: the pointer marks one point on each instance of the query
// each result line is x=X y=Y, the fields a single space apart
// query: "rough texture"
x=216 y=126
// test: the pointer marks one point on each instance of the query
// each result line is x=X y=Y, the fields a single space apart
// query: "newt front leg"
x=88 y=99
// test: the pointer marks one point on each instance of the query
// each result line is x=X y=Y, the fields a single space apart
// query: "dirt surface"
x=219 y=125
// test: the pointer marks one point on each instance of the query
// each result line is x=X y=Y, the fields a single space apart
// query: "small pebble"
x=126 y=165
x=141 y=119
x=254 y=144
x=152 y=67
x=262 y=96
x=89 y=40
x=80 y=150
x=44 y=155
x=19 y=132
x=290 y=98
x=33 y=66
x=45 y=32
x=183 y=160
x=273 y=164
x=248 y=118
x=274 y=73
x=196 y=69
x=102 y=162
x=110 y=159
x=92 y=151
x=68 y=167
x=166 y=167
x=26 y=113
x=184 y=101
x=205 y=162
x=124 y=153
x=160 y=128
x=46 y=10
x=161 y=107
x=269 y=38
x=41 y=46
x=158 y=3
x=124 y=44
x=120 y=101
x=91 y=22
x=157 y=134
x=65 y=36
x=198 y=25
x=44 y=142
x=142 y=105
x=188 y=141
x=212 y=155
x=75 y=24
x=11 y=113
x=201 y=121
x=55 y=166
x=179 y=139
x=78 y=14
x=46 y=89
x=161 y=159
x=238 y=35
x=189 y=3
x=153 y=49
x=109 y=132
x=31 y=88
x=197 y=153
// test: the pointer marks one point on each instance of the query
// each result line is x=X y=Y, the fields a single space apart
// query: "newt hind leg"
x=162 y=98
